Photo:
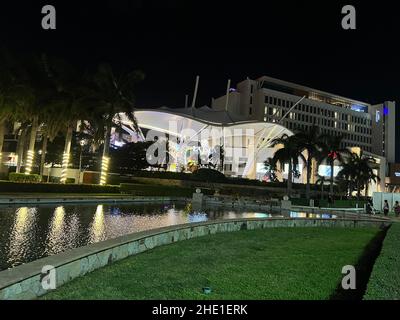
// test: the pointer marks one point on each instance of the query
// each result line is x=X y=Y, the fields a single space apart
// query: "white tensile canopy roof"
x=178 y=122
x=161 y=119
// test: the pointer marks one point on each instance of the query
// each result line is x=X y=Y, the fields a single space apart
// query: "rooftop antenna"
x=195 y=93
x=227 y=95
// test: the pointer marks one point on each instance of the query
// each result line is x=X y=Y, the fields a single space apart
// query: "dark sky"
x=173 y=41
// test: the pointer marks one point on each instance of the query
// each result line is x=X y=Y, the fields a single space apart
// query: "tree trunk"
x=66 y=154
x=20 y=148
x=2 y=131
x=289 y=182
x=31 y=147
x=322 y=191
x=43 y=156
x=308 y=189
x=105 y=159
x=331 y=177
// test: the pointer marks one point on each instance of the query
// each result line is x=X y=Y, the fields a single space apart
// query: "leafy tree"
x=271 y=169
x=333 y=152
x=311 y=142
x=289 y=153
x=358 y=170
x=112 y=96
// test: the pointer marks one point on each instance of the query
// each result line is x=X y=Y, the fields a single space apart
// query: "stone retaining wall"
x=24 y=282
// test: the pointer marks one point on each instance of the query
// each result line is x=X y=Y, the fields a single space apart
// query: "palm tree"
x=287 y=154
x=311 y=142
x=271 y=169
x=321 y=181
x=332 y=151
x=113 y=96
x=30 y=95
x=72 y=105
x=358 y=169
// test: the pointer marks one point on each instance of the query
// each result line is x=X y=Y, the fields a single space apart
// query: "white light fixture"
x=29 y=162
x=64 y=168
x=104 y=170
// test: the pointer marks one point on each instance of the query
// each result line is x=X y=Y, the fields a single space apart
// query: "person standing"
x=396 y=209
x=386 y=208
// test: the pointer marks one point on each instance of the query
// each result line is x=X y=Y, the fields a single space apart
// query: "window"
x=251 y=100
x=250 y=111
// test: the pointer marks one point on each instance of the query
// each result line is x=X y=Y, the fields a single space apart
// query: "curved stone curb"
x=24 y=281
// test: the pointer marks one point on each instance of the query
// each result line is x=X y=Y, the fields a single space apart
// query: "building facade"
x=370 y=127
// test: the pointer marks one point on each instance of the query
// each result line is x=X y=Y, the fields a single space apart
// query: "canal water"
x=33 y=232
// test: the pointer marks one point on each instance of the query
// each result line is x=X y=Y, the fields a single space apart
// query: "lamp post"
x=82 y=144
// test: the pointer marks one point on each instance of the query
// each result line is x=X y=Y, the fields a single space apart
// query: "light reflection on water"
x=30 y=233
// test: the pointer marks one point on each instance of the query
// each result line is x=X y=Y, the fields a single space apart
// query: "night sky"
x=173 y=41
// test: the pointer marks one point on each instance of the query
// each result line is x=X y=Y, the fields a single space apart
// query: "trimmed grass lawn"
x=282 y=263
x=384 y=283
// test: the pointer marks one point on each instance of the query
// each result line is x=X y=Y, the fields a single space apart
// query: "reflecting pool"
x=33 y=232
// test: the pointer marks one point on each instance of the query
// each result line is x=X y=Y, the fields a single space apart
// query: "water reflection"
x=27 y=234
x=19 y=244
x=98 y=227
x=312 y=215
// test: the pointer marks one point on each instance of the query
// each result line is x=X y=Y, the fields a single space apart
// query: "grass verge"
x=283 y=263
x=384 y=283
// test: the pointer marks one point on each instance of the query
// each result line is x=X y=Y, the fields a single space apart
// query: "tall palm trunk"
x=31 y=148
x=308 y=187
x=2 y=131
x=20 y=148
x=43 y=156
x=322 y=190
x=105 y=159
x=331 y=177
x=290 y=178
x=66 y=154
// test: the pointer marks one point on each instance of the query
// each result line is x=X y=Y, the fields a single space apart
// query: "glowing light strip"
x=29 y=161
x=104 y=170
x=64 y=171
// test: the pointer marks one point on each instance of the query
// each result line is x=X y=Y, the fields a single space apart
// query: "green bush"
x=70 y=181
x=158 y=190
x=18 y=187
x=22 y=177
x=204 y=174
x=384 y=282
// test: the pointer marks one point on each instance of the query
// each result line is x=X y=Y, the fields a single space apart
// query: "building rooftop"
x=310 y=93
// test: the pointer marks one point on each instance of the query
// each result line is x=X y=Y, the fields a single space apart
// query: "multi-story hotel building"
x=370 y=127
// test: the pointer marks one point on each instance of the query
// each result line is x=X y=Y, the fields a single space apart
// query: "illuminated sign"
x=377 y=116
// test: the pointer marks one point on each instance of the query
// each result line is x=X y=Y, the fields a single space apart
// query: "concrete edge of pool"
x=34 y=200
x=24 y=281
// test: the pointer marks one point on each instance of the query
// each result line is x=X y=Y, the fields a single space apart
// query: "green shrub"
x=384 y=282
x=70 y=181
x=204 y=174
x=22 y=177
x=7 y=186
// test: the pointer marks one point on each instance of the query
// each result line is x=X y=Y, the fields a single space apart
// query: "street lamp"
x=82 y=144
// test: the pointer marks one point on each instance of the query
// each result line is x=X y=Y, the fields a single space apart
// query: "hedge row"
x=22 y=177
x=162 y=191
x=384 y=283
x=206 y=175
x=10 y=187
